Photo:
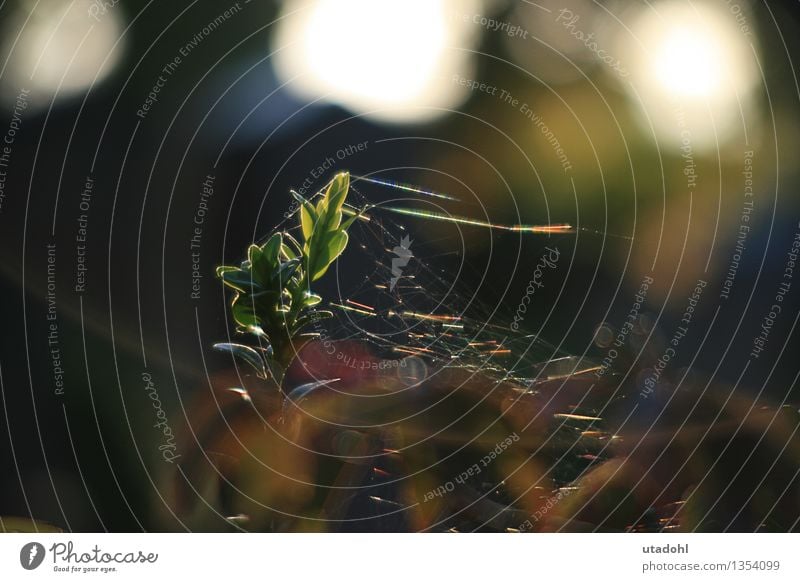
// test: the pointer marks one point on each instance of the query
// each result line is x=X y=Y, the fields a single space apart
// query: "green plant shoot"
x=273 y=299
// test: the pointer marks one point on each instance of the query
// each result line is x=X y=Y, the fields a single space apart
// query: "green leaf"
x=225 y=269
x=240 y=281
x=328 y=254
x=244 y=312
x=337 y=244
x=324 y=220
x=332 y=220
x=311 y=317
x=337 y=192
x=285 y=272
x=336 y=195
x=308 y=216
x=264 y=297
x=321 y=207
x=245 y=353
x=295 y=246
x=329 y=207
x=306 y=222
x=259 y=265
x=287 y=252
x=311 y=299
x=272 y=248
x=253 y=254
x=302 y=391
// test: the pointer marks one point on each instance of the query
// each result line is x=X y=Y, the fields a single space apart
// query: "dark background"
x=88 y=459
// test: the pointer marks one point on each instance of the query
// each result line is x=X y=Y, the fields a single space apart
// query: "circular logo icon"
x=31 y=555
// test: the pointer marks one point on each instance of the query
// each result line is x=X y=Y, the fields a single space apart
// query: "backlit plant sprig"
x=273 y=299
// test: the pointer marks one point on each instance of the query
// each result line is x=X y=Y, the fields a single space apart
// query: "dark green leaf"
x=271 y=249
x=333 y=219
x=287 y=252
x=309 y=318
x=296 y=246
x=244 y=312
x=225 y=269
x=253 y=254
x=259 y=265
x=245 y=353
x=285 y=272
x=240 y=281
x=304 y=390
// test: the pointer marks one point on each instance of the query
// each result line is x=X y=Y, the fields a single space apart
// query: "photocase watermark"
x=474 y=85
x=474 y=470
x=324 y=168
x=31 y=555
x=744 y=227
x=172 y=66
x=53 y=337
x=206 y=193
x=403 y=255
x=508 y=98
x=549 y=260
x=687 y=151
x=99 y=8
x=738 y=14
x=403 y=368
x=355 y=363
x=67 y=559
x=8 y=140
x=168 y=448
x=512 y=30
x=651 y=381
x=81 y=237
x=551 y=502
x=568 y=20
x=760 y=340
x=630 y=320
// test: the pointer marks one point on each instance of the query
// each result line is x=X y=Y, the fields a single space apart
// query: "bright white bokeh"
x=694 y=58
x=392 y=60
x=688 y=64
x=56 y=48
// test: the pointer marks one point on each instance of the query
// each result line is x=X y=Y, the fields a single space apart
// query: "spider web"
x=432 y=315
x=426 y=312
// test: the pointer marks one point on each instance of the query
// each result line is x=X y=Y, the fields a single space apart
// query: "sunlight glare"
x=391 y=59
